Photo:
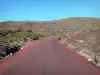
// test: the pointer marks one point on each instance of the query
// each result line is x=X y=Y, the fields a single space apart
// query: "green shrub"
x=12 y=36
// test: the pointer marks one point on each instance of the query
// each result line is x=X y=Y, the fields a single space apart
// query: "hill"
x=83 y=23
x=86 y=44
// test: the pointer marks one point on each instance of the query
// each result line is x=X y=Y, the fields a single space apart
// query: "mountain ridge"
x=83 y=23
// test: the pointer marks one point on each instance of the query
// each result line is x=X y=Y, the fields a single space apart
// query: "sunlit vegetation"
x=13 y=40
x=7 y=37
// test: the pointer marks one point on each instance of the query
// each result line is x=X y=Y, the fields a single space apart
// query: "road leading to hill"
x=47 y=57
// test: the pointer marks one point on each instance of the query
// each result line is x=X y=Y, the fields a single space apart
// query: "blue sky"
x=41 y=10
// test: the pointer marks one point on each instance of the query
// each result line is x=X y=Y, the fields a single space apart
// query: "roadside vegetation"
x=12 y=41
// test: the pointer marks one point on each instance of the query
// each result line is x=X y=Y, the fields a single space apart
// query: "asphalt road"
x=47 y=57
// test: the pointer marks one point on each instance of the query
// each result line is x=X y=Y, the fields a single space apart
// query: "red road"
x=47 y=57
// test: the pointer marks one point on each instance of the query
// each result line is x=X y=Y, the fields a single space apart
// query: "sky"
x=44 y=10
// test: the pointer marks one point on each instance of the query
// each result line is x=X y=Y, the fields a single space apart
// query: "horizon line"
x=49 y=20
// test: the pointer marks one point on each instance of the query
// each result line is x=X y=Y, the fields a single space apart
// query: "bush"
x=36 y=36
x=29 y=30
x=17 y=36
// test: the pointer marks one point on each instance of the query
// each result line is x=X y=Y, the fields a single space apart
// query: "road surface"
x=47 y=57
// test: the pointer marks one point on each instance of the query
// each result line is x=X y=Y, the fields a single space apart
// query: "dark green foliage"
x=36 y=36
x=29 y=30
x=53 y=33
x=4 y=33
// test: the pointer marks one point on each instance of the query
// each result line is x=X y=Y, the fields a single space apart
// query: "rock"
x=8 y=50
x=89 y=59
x=80 y=41
x=72 y=46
